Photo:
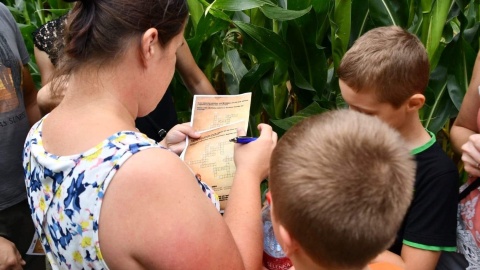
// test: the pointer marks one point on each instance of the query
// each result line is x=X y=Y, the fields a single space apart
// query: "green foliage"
x=291 y=48
x=286 y=51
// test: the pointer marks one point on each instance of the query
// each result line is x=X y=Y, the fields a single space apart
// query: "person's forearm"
x=30 y=97
x=10 y=257
x=243 y=217
x=419 y=259
x=466 y=122
x=458 y=137
x=202 y=88
x=192 y=76
x=33 y=113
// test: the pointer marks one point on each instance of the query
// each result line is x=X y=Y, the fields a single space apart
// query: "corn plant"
x=286 y=51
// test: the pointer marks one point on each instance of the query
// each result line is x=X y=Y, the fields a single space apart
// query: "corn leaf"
x=235 y=5
x=287 y=123
x=278 y=13
x=263 y=43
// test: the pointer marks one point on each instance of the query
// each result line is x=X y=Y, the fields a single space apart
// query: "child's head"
x=340 y=185
x=386 y=66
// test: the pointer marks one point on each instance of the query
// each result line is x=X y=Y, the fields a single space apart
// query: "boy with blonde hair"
x=385 y=74
x=340 y=184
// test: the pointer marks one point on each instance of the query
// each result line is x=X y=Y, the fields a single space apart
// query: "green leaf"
x=196 y=11
x=220 y=14
x=207 y=26
x=389 y=12
x=253 y=76
x=434 y=19
x=234 y=70
x=264 y=44
x=455 y=91
x=278 y=13
x=235 y=5
x=289 y=122
x=442 y=112
x=450 y=32
x=361 y=21
x=437 y=85
x=250 y=83
x=309 y=63
x=274 y=97
x=459 y=58
x=340 y=22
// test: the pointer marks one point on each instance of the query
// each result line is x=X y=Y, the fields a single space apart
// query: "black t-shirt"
x=163 y=117
x=430 y=222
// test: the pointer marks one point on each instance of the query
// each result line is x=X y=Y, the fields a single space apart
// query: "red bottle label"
x=272 y=263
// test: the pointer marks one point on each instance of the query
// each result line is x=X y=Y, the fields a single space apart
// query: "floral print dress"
x=65 y=195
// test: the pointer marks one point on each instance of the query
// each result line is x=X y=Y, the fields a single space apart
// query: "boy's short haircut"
x=341 y=183
x=389 y=61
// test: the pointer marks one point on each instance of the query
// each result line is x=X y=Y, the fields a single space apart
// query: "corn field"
x=286 y=51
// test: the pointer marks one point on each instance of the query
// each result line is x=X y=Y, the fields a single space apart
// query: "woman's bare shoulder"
x=163 y=214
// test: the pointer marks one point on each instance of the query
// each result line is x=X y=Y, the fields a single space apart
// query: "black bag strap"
x=161 y=132
x=475 y=184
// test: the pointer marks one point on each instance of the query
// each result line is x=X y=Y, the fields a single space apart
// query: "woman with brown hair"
x=105 y=196
x=48 y=41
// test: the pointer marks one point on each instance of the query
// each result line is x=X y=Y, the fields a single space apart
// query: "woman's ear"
x=149 y=40
x=415 y=102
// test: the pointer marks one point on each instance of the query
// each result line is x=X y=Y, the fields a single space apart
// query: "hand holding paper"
x=175 y=139
x=217 y=118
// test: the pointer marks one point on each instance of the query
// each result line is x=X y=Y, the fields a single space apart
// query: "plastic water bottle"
x=273 y=256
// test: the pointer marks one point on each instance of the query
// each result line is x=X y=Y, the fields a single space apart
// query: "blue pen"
x=243 y=139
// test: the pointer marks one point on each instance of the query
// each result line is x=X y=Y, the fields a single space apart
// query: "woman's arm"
x=192 y=75
x=44 y=65
x=30 y=97
x=466 y=122
x=10 y=258
x=155 y=215
x=243 y=211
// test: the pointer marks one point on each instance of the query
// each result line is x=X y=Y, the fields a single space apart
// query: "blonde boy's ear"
x=289 y=245
x=415 y=102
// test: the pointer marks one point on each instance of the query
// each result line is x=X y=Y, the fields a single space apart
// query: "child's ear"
x=289 y=245
x=415 y=102
x=268 y=197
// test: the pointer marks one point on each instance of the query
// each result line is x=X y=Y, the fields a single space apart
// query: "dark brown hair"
x=341 y=183
x=98 y=31
x=389 y=61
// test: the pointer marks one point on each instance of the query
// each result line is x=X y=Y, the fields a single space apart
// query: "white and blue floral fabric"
x=65 y=195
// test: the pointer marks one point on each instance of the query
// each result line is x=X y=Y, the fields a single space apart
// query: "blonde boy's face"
x=366 y=102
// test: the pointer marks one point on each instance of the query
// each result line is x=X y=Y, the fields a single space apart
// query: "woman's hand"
x=10 y=258
x=254 y=158
x=175 y=140
x=471 y=155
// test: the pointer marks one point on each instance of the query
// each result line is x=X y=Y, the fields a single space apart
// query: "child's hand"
x=176 y=137
x=254 y=157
